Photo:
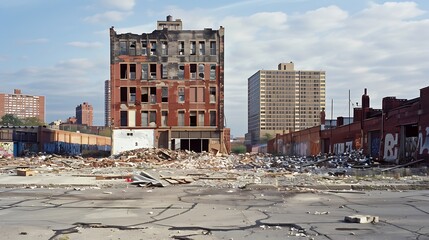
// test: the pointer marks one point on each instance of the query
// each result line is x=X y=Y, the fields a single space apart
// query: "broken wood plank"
x=402 y=165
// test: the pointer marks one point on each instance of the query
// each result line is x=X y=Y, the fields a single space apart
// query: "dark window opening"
x=124 y=118
x=144 y=48
x=212 y=118
x=152 y=48
x=193 y=119
x=201 y=71
x=153 y=95
x=145 y=95
x=123 y=47
x=193 y=71
x=124 y=93
x=124 y=68
x=152 y=71
x=193 y=47
x=132 y=94
x=181 y=72
x=132 y=49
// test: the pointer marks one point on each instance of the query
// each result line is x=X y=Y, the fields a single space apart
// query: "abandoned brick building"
x=167 y=89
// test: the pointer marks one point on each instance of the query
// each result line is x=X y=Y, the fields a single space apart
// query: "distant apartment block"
x=284 y=100
x=84 y=114
x=22 y=105
x=107 y=102
x=170 y=81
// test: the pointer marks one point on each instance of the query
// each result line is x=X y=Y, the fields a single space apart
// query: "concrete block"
x=25 y=172
x=361 y=219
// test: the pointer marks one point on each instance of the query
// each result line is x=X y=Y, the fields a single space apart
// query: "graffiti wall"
x=6 y=149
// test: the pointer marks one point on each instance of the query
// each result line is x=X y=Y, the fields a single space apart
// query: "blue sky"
x=60 y=49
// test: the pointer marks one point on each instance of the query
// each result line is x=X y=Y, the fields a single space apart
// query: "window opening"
x=181 y=118
x=123 y=47
x=164 y=117
x=132 y=94
x=212 y=94
x=212 y=48
x=132 y=71
x=193 y=47
x=164 y=48
x=181 y=94
x=144 y=47
x=181 y=72
x=201 y=71
x=124 y=93
x=152 y=48
x=193 y=119
x=144 y=71
x=132 y=48
x=164 y=73
x=153 y=95
x=164 y=94
x=212 y=118
x=152 y=71
x=193 y=71
x=181 y=48
x=212 y=71
x=145 y=95
x=124 y=68
x=202 y=48
x=200 y=118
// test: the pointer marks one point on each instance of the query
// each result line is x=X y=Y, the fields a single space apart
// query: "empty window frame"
x=193 y=71
x=193 y=118
x=201 y=68
x=164 y=48
x=181 y=118
x=164 y=72
x=132 y=71
x=181 y=72
x=152 y=71
x=132 y=98
x=144 y=71
x=164 y=94
x=181 y=95
x=212 y=118
x=153 y=48
x=212 y=71
x=124 y=118
x=123 y=48
x=124 y=70
x=132 y=48
x=164 y=118
x=124 y=94
x=153 y=95
x=181 y=48
x=202 y=48
x=212 y=48
x=145 y=95
x=148 y=118
x=212 y=94
x=193 y=48
x=144 y=48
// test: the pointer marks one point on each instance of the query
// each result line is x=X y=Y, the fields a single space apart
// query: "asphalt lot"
x=197 y=212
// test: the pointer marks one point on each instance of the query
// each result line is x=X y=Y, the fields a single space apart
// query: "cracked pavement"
x=197 y=212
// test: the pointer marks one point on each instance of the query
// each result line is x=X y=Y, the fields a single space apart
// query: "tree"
x=266 y=138
x=10 y=120
x=32 y=121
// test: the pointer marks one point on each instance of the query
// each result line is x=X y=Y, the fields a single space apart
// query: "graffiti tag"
x=391 y=147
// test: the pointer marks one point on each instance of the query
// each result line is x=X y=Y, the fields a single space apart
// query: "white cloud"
x=109 y=16
x=85 y=44
x=125 y=5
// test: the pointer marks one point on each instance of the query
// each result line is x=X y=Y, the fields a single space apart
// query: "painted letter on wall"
x=391 y=147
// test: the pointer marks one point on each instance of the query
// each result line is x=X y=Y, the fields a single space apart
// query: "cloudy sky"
x=60 y=49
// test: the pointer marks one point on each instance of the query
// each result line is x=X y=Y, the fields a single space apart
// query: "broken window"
x=152 y=48
x=181 y=48
x=181 y=72
x=164 y=48
x=181 y=118
x=124 y=69
x=153 y=95
x=144 y=71
x=132 y=48
x=123 y=48
x=212 y=94
x=201 y=71
x=124 y=118
x=144 y=47
x=132 y=95
x=145 y=95
x=152 y=118
x=202 y=48
x=181 y=94
x=212 y=71
x=192 y=118
x=193 y=71
x=164 y=73
x=164 y=117
x=164 y=94
x=124 y=94
x=213 y=118
x=145 y=118
x=192 y=48
x=152 y=71
x=200 y=118
x=132 y=71
x=212 y=48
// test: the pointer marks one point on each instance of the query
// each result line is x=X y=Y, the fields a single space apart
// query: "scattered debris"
x=144 y=179
x=361 y=219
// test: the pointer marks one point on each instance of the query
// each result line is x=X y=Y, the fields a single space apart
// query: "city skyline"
x=60 y=50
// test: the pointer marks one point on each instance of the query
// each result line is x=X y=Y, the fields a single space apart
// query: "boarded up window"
x=181 y=118
x=200 y=118
x=144 y=71
x=193 y=94
x=200 y=95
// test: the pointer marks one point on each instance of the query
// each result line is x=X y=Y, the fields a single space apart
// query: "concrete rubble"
x=160 y=167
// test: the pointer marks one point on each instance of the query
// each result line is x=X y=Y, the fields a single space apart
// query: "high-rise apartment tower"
x=84 y=114
x=22 y=105
x=284 y=100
